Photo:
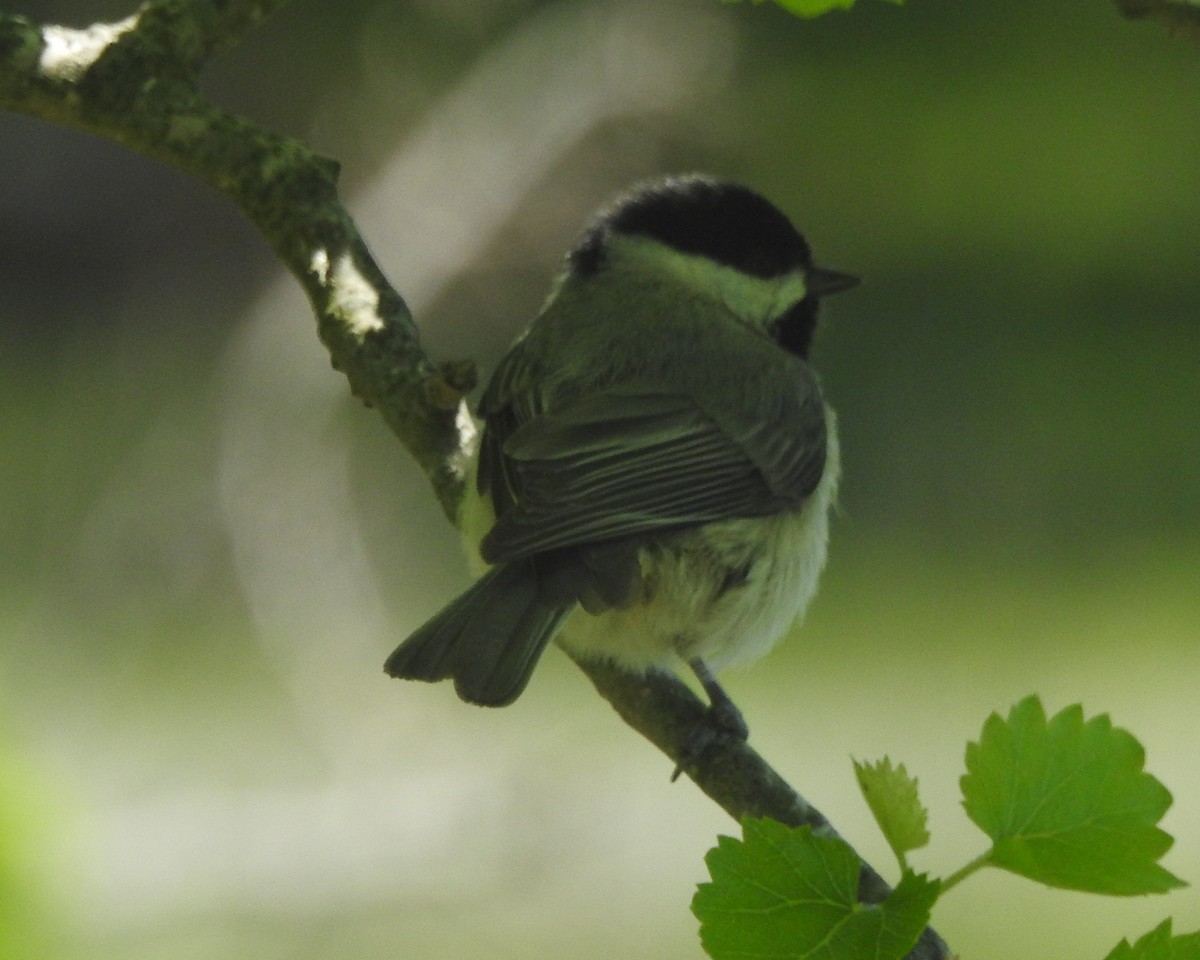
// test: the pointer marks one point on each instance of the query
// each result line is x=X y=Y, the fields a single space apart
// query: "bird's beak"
x=821 y=283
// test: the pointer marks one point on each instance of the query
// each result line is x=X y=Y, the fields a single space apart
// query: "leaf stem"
x=966 y=870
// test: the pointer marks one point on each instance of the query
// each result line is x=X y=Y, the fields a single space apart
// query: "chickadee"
x=657 y=462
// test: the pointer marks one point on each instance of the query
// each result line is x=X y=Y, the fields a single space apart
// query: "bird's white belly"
x=687 y=614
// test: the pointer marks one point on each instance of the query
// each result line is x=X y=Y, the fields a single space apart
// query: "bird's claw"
x=722 y=722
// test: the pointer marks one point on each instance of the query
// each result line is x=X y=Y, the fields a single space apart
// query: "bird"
x=657 y=462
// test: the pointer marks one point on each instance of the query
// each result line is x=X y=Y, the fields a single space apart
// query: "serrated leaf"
x=892 y=796
x=1066 y=802
x=1158 y=944
x=784 y=894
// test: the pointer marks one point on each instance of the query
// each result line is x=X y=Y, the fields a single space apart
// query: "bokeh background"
x=207 y=548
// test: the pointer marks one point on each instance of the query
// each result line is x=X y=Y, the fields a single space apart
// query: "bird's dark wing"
x=633 y=458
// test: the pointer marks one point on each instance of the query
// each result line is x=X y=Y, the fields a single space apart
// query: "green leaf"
x=892 y=796
x=1066 y=802
x=784 y=894
x=814 y=8
x=1158 y=944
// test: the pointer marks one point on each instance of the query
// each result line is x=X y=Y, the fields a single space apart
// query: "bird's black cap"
x=725 y=222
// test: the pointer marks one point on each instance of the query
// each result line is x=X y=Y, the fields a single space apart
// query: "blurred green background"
x=207 y=548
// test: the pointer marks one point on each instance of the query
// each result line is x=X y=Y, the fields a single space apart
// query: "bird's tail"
x=488 y=640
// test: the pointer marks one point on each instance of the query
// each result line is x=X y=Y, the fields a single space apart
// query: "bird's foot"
x=722 y=721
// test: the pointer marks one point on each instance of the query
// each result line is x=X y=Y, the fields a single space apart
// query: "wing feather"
x=632 y=459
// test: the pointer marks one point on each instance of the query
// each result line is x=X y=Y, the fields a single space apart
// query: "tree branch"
x=1178 y=16
x=134 y=82
x=666 y=712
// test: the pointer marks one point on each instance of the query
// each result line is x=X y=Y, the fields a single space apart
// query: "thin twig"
x=1178 y=16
